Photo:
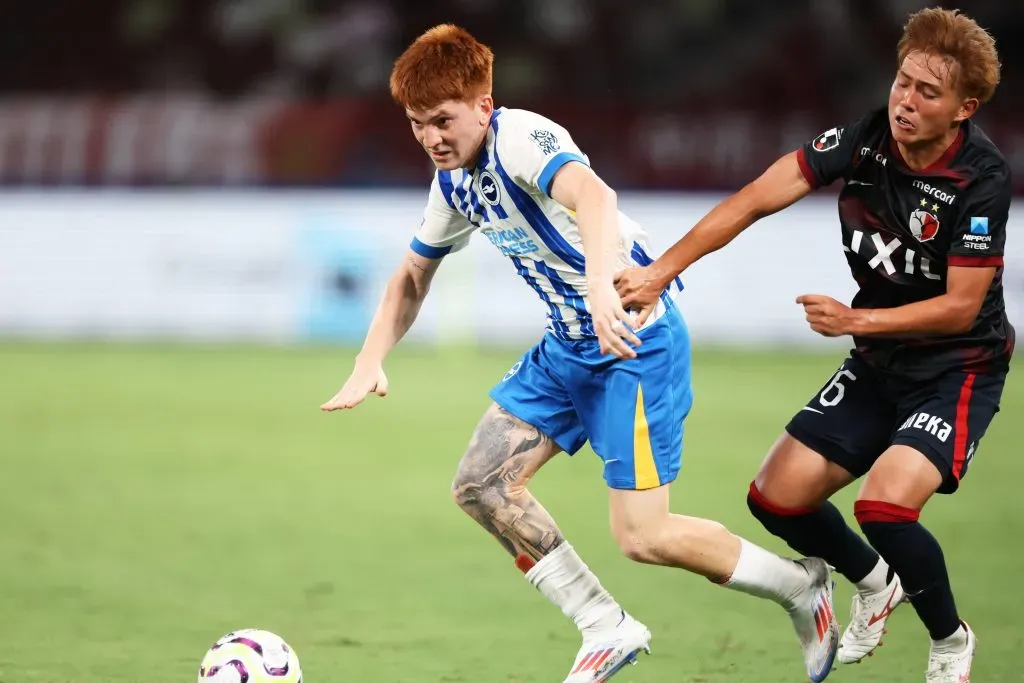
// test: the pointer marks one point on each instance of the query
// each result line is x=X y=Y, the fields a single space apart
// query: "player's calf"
x=899 y=484
x=817 y=531
x=917 y=558
x=822 y=532
x=647 y=532
x=490 y=485
x=699 y=545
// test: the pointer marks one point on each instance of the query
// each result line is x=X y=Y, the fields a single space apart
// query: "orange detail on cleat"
x=583 y=663
x=596 y=664
x=886 y=611
x=822 y=619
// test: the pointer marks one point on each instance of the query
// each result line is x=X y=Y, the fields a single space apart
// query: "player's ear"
x=967 y=109
x=485 y=107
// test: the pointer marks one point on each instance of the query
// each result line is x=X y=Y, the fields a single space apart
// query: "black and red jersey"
x=903 y=229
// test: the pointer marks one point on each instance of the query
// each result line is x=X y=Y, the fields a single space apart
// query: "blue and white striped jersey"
x=506 y=197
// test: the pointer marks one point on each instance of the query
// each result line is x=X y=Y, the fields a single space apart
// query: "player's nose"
x=431 y=137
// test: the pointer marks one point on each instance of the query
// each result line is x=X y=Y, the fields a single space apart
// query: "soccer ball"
x=250 y=656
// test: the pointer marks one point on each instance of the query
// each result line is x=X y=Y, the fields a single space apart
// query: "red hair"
x=445 y=63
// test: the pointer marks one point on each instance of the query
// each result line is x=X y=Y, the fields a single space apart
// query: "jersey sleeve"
x=443 y=229
x=831 y=155
x=532 y=148
x=980 y=235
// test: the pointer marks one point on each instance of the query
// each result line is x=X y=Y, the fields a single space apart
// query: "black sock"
x=916 y=556
x=816 y=532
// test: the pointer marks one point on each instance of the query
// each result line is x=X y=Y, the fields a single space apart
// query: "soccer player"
x=520 y=180
x=923 y=212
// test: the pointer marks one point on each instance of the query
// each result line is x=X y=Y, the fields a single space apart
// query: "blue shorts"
x=631 y=411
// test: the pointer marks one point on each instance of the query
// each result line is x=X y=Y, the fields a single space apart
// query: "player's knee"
x=638 y=547
x=769 y=512
x=794 y=476
x=639 y=542
x=474 y=490
x=773 y=493
x=870 y=512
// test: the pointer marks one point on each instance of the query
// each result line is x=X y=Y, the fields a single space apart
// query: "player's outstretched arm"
x=399 y=307
x=578 y=188
x=781 y=185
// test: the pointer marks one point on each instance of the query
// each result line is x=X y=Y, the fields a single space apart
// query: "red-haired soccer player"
x=520 y=180
x=923 y=213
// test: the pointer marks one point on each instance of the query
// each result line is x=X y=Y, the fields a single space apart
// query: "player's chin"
x=446 y=162
x=902 y=135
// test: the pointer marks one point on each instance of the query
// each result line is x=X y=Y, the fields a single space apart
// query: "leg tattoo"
x=490 y=484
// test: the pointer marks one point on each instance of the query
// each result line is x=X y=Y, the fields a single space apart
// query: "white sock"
x=875 y=581
x=954 y=643
x=766 y=575
x=566 y=581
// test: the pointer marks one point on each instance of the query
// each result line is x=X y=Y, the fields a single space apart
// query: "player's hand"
x=365 y=379
x=827 y=316
x=639 y=290
x=612 y=324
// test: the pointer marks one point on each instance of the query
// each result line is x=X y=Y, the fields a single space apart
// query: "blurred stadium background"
x=200 y=203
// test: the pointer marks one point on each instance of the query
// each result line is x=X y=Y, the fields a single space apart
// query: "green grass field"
x=155 y=497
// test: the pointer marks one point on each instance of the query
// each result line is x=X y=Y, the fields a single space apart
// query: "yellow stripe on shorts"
x=644 y=470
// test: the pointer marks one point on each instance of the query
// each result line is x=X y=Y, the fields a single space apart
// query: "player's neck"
x=920 y=157
x=474 y=158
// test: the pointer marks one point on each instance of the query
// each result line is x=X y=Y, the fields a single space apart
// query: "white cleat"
x=952 y=667
x=815 y=622
x=868 y=615
x=605 y=653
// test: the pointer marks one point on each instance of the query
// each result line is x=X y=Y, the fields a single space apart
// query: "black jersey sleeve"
x=831 y=155
x=980 y=234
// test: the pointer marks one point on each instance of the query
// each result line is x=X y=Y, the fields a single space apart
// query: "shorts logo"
x=827 y=140
x=512 y=371
x=489 y=188
x=545 y=140
x=979 y=225
x=924 y=225
x=932 y=424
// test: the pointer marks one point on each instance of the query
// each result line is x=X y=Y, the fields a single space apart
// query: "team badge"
x=923 y=225
x=827 y=140
x=489 y=188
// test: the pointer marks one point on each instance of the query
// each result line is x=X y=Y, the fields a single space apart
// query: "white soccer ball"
x=250 y=656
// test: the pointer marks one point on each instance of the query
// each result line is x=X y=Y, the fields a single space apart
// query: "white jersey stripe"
x=556 y=323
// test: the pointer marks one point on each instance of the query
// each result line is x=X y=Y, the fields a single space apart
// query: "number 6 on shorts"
x=836 y=384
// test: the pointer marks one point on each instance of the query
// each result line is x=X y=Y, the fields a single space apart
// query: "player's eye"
x=443 y=122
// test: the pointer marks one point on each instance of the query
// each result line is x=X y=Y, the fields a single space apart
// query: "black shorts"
x=860 y=412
